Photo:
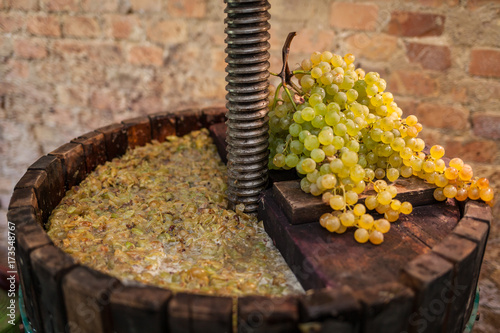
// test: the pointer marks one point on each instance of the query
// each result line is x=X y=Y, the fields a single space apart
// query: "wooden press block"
x=115 y=139
x=188 y=121
x=86 y=297
x=218 y=133
x=162 y=125
x=178 y=313
x=72 y=158
x=138 y=131
x=29 y=237
x=24 y=215
x=213 y=115
x=23 y=197
x=430 y=278
x=462 y=253
x=301 y=207
x=338 y=305
x=139 y=309
x=386 y=307
x=94 y=147
x=50 y=264
x=267 y=314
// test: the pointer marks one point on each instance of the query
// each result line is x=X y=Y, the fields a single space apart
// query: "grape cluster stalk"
x=340 y=129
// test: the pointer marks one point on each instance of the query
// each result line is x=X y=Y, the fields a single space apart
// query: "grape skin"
x=347 y=132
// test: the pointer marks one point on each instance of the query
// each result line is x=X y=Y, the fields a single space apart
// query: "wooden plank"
x=213 y=115
x=430 y=277
x=29 y=237
x=138 y=131
x=478 y=210
x=86 y=298
x=72 y=158
x=178 y=312
x=49 y=266
x=211 y=314
x=386 y=308
x=188 y=121
x=476 y=231
x=462 y=253
x=94 y=147
x=162 y=125
x=218 y=133
x=24 y=215
x=333 y=307
x=50 y=194
x=116 y=141
x=267 y=314
x=139 y=309
x=23 y=197
x=301 y=207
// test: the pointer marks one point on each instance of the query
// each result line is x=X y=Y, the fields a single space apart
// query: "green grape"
x=347 y=219
x=308 y=165
x=308 y=113
x=311 y=142
x=332 y=89
x=340 y=129
x=328 y=181
x=320 y=109
x=336 y=165
x=359 y=186
x=297 y=117
x=318 y=121
x=325 y=137
x=338 y=142
x=349 y=158
x=318 y=155
x=376 y=134
x=398 y=144
x=296 y=147
x=406 y=171
x=392 y=174
x=305 y=185
x=340 y=98
x=307 y=82
x=291 y=160
x=279 y=160
x=352 y=95
x=357 y=173
x=318 y=90
x=337 y=202
x=387 y=137
x=351 y=197
x=303 y=135
x=312 y=177
x=316 y=73
x=329 y=150
x=295 y=129
x=332 y=118
x=315 y=99
x=325 y=169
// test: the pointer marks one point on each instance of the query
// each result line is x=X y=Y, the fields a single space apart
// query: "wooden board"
x=162 y=125
x=138 y=131
x=72 y=159
x=115 y=139
x=301 y=207
x=94 y=147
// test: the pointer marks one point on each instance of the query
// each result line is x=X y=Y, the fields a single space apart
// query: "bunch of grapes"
x=341 y=131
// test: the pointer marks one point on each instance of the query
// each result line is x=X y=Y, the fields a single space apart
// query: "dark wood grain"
x=50 y=193
x=178 y=312
x=115 y=138
x=94 y=147
x=72 y=158
x=24 y=215
x=430 y=277
x=218 y=133
x=23 y=197
x=213 y=115
x=211 y=314
x=386 y=308
x=267 y=314
x=335 y=306
x=301 y=207
x=139 y=309
x=49 y=266
x=478 y=210
x=29 y=237
x=188 y=121
x=162 y=125
x=86 y=298
x=138 y=131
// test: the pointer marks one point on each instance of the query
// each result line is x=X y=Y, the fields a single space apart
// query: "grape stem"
x=286 y=74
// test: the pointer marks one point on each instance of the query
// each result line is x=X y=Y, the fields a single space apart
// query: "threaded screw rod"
x=247 y=91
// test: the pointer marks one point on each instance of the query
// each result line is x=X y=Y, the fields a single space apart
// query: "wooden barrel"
x=423 y=278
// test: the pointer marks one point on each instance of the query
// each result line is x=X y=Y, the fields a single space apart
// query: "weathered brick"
x=123 y=26
x=439 y=3
x=72 y=95
x=373 y=47
x=146 y=5
x=146 y=104
x=442 y=116
x=106 y=99
x=482 y=151
x=146 y=55
x=486 y=125
x=22 y=4
x=50 y=71
x=356 y=16
x=99 y=6
x=168 y=32
x=81 y=26
x=306 y=41
x=90 y=73
x=413 y=24
x=70 y=48
x=11 y=22
x=485 y=62
x=60 y=5
x=187 y=8
x=30 y=49
x=106 y=53
x=44 y=26
x=413 y=83
x=6 y=48
x=430 y=56
x=16 y=70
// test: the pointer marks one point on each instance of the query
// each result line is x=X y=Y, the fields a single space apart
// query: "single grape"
x=279 y=160
x=376 y=237
x=371 y=202
x=486 y=194
x=291 y=160
x=439 y=195
x=382 y=225
x=333 y=224
x=337 y=202
x=328 y=181
x=462 y=194
x=392 y=174
x=361 y=235
x=406 y=208
x=384 y=198
x=474 y=193
x=351 y=197
x=308 y=165
x=450 y=191
x=456 y=163
x=391 y=215
x=359 y=209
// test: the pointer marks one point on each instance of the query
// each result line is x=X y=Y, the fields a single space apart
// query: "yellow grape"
x=450 y=191
x=391 y=215
x=333 y=224
x=376 y=237
x=486 y=194
x=439 y=195
x=371 y=202
x=361 y=235
x=365 y=221
x=457 y=163
x=462 y=194
x=474 y=193
x=437 y=151
x=406 y=208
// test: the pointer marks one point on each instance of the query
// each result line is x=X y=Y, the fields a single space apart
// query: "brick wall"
x=70 y=66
